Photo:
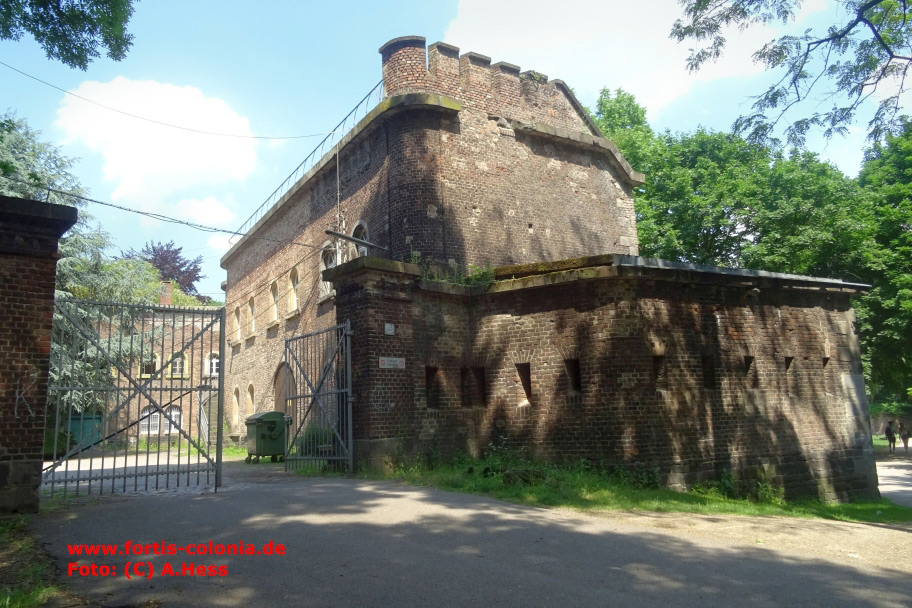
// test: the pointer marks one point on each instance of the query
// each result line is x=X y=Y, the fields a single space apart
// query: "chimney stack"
x=164 y=298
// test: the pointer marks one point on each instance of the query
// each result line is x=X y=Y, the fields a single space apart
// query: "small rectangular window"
x=524 y=370
x=574 y=375
x=473 y=386
x=709 y=373
x=751 y=378
x=432 y=387
x=149 y=366
x=792 y=386
x=659 y=373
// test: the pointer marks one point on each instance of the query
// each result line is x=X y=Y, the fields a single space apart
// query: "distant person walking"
x=890 y=434
x=904 y=434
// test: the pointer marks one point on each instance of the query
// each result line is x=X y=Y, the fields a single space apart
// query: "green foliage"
x=865 y=48
x=512 y=475
x=762 y=490
x=171 y=264
x=56 y=443
x=458 y=275
x=69 y=30
x=714 y=198
x=86 y=272
x=639 y=476
x=622 y=120
x=26 y=572
x=33 y=164
x=891 y=408
x=885 y=315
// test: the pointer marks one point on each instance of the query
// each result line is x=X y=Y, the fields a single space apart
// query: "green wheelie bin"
x=266 y=433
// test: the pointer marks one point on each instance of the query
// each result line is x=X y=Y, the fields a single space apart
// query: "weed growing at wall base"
x=511 y=475
x=26 y=572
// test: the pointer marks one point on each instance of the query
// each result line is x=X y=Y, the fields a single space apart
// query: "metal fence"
x=135 y=398
x=318 y=400
x=360 y=110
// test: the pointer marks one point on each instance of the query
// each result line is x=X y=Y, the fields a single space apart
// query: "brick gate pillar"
x=29 y=232
x=375 y=295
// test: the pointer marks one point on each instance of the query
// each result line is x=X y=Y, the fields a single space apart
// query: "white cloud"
x=208 y=211
x=607 y=44
x=147 y=161
x=219 y=243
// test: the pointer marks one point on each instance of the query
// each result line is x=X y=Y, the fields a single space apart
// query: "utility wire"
x=158 y=122
x=156 y=216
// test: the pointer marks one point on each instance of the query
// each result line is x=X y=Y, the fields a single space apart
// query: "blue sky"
x=293 y=68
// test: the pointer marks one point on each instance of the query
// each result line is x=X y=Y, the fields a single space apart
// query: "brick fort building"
x=578 y=348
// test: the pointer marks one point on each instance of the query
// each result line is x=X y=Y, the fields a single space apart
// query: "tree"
x=70 y=30
x=171 y=264
x=870 y=50
x=700 y=192
x=33 y=166
x=86 y=273
x=622 y=120
x=715 y=198
x=886 y=319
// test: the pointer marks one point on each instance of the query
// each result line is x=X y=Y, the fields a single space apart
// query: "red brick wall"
x=28 y=246
x=430 y=184
x=664 y=379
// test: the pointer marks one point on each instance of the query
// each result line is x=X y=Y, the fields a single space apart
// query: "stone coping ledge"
x=509 y=67
x=655 y=263
x=62 y=216
x=516 y=271
x=370 y=263
x=477 y=58
x=381 y=112
x=527 y=276
x=446 y=48
x=633 y=177
x=403 y=41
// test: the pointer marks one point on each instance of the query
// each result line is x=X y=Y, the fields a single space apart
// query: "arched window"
x=236 y=409
x=360 y=233
x=251 y=316
x=149 y=419
x=250 y=401
x=174 y=424
x=293 y=290
x=213 y=365
x=237 y=323
x=274 y=294
x=283 y=387
x=327 y=261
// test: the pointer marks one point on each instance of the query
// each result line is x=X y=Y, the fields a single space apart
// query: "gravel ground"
x=366 y=543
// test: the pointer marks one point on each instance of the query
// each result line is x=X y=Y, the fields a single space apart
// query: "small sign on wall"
x=389 y=329
x=392 y=363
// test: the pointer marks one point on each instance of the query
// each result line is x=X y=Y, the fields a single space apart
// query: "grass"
x=233 y=452
x=588 y=488
x=26 y=572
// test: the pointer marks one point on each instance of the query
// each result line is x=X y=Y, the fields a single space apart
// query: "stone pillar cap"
x=403 y=41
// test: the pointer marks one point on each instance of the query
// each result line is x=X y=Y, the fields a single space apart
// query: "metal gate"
x=134 y=399
x=318 y=400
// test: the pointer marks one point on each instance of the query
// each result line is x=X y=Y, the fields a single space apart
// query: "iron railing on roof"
x=360 y=110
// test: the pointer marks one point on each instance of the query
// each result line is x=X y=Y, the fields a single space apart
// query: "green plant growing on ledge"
x=474 y=276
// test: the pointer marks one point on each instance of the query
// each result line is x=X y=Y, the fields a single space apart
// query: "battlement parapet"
x=500 y=88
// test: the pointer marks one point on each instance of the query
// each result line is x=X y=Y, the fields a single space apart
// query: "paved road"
x=358 y=543
x=894 y=475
